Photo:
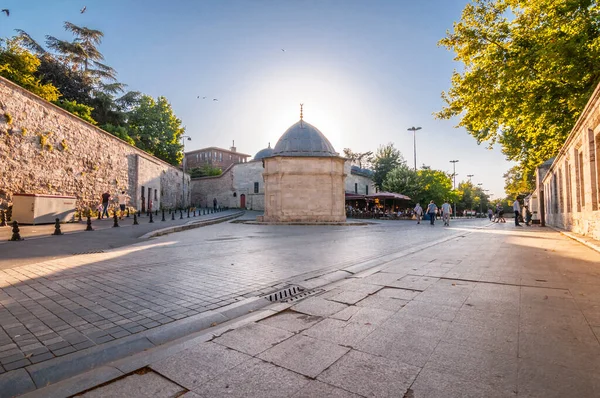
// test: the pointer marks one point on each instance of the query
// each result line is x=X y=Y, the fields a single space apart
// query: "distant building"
x=217 y=157
x=567 y=186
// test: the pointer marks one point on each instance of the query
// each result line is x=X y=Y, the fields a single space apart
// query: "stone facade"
x=46 y=150
x=217 y=157
x=304 y=189
x=357 y=182
x=568 y=190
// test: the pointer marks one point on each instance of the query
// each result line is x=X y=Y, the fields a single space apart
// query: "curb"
x=190 y=225
x=577 y=238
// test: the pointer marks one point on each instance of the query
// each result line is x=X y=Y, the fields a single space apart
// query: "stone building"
x=567 y=191
x=217 y=157
x=47 y=150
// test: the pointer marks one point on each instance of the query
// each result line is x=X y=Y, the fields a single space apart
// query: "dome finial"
x=301 y=106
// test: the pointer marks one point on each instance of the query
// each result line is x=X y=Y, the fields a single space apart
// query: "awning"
x=354 y=196
x=388 y=195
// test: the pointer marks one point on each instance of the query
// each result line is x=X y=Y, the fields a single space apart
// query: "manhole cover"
x=285 y=294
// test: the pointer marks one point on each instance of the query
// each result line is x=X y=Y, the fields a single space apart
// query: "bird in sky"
x=83 y=9
x=283 y=49
x=203 y=97
x=6 y=11
x=214 y=99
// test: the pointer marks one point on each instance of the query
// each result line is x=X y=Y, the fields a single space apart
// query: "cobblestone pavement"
x=501 y=312
x=40 y=245
x=57 y=307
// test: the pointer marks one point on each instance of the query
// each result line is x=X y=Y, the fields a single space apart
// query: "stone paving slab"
x=143 y=385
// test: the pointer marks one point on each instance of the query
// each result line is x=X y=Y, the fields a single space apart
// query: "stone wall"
x=304 y=189
x=570 y=188
x=205 y=189
x=46 y=150
x=245 y=176
x=358 y=183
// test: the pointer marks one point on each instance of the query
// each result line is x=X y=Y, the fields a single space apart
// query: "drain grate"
x=286 y=294
x=88 y=252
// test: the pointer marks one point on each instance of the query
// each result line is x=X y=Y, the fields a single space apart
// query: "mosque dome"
x=264 y=153
x=303 y=139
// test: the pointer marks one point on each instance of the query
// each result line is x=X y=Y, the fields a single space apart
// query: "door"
x=143 y=199
x=243 y=201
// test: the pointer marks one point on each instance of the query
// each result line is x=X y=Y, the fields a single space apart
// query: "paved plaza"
x=468 y=311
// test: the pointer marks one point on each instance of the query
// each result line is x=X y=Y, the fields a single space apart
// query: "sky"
x=365 y=71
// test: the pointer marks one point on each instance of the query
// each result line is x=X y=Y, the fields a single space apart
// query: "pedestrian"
x=517 y=210
x=528 y=216
x=105 y=200
x=215 y=203
x=431 y=211
x=123 y=198
x=418 y=213
x=500 y=210
x=446 y=211
x=490 y=214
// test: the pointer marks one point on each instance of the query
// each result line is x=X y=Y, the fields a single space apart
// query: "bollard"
x=169 y=211
x=89 y=224
x=3 y=218
x=172 y=216
x=128 y=212
x=151 y=220
x=188 y=213
x=181 y=214
x=163 y=215
x=115 y=220
x=204 y=212
x=57 y=230
x=15 y=232
x=80 y=219
x=194 y=212
x=156 y=213
x=135 y=222
x=99 y=214
x=139 y=213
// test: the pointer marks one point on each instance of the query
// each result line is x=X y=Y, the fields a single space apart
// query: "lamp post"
x=454 y=180
x=183 y=139
x=470 y=175
x=479 y=185
x=414 y=129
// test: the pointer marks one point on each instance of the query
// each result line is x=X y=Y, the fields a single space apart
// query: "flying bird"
x=283 y=49
x=6 y=11
x=83 y=9
x=198 y=97
x=203 y=97
x=214 y=99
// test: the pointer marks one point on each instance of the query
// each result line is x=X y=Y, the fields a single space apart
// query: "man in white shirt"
x=517 y=209
x=418 y=213
x=123 y=198
x=446 y=211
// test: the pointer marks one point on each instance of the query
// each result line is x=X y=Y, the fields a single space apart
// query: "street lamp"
x=454 y=180
x=414 y=129
x=183 y=139
x=470 y=175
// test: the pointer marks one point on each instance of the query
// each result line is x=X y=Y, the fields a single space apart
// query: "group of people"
x=432 y=211
x=122 y=199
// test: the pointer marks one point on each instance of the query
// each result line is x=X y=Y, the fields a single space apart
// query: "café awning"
x=388 y=195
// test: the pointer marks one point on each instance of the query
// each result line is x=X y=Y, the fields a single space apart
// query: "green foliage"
x=529 y=69
x=470 y=197
x=518 y=182
x=155 y=129
x=436 y=185
x=386 y=159
x=44 y=141
x=404 y=180
x=81 y=110
x=64 y=145
x=206 y=170
x=19 y=66
x=119 y=131
x=360 y=159
x=8 y=118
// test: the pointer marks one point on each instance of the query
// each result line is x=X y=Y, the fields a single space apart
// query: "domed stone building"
x=304 y=178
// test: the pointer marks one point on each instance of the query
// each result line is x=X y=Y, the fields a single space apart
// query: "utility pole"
x=183 y=138
x=454 y=181
x=414 y=129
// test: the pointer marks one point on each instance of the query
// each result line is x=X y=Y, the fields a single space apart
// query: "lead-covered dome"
x=303 y=139
x=264 y=153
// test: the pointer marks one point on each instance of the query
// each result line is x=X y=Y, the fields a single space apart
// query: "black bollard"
x=80 y=219
x=188 y=213
x=15 y=232
x=172 y=216
x=163 y=215
x=57 y=230
x=135 y=222
x=99 y=214
x=169 y=211
x=156 y=213
x=151 y=220
x=89 y=224
x=3 y=219
x=194 y=212
x=115 y=220
x=181 y=214
x=204 y=212
x=139 y=213
x=128 y=212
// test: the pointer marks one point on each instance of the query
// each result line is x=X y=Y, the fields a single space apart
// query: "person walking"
x=446 y=211
x=105 y=200
x=431 y=211
x=490 y=214
x=418 y=213
x=528 y=216
x=517 y=210
x=500 y=211
x=123 y=198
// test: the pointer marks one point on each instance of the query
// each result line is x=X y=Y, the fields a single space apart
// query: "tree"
x=516 y=183
x=19 y=66
x=529 y=69
x=206 y=170
x=360 y=159
x=404 y=180
x=155 y=129
x=436 y=186
x=83 y=111
x=386 y=159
